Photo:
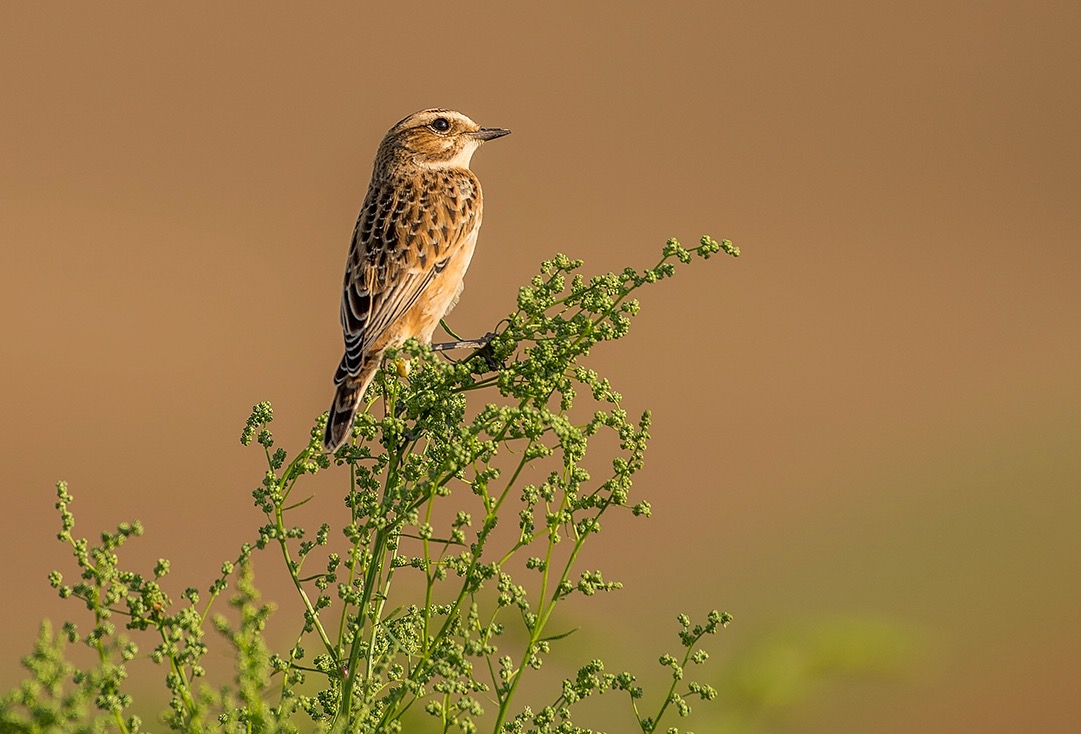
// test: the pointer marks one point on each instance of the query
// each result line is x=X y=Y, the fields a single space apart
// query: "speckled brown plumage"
x=411 y=247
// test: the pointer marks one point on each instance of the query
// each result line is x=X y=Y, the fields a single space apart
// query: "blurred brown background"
x=870 y=421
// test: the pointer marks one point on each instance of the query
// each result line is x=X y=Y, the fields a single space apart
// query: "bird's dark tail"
x=347 y=399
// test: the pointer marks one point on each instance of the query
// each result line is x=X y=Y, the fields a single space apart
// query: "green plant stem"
x=294 y=568
x=372 y=572
x=672 y=688
x=455 y=609
x=543 y=615
x=103 y=657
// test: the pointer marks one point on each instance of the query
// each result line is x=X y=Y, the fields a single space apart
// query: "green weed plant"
x=436 y=489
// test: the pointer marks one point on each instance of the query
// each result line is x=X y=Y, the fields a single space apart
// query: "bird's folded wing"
x=393 y=258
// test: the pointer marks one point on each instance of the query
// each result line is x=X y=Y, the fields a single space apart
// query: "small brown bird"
x=411 y=246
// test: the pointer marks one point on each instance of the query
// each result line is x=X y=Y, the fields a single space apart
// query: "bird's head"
x=434 y=138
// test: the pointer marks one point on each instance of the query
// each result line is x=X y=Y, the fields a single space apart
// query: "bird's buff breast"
x=439 y=297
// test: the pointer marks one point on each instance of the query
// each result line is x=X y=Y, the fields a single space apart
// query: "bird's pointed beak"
x=490 y=133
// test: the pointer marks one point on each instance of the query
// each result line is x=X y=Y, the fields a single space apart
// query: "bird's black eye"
x=440 y=124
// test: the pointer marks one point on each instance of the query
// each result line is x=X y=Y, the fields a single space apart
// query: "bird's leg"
x=464 y=344
x=461 y=343
x=481 y=348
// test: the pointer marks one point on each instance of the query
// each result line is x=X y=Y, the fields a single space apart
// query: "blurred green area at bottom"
x=780 y=676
